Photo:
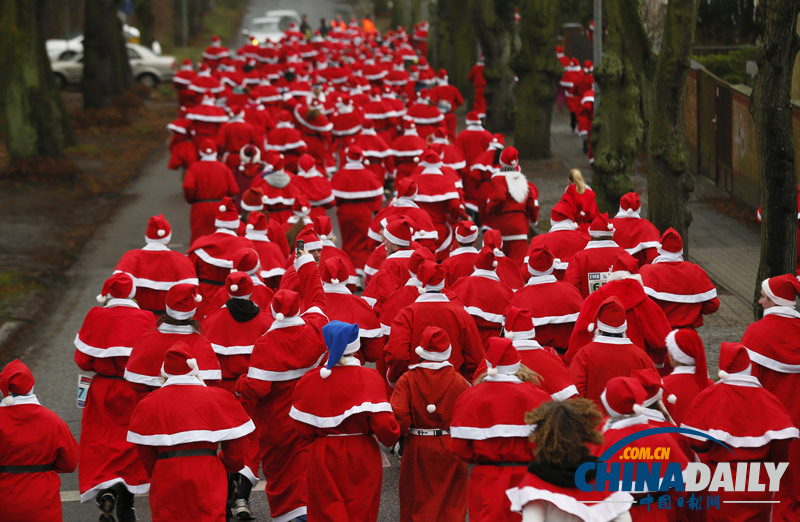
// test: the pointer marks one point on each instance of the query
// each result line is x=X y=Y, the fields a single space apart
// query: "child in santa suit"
x=749 y=419
x=489 y=429
x=772 y=345
x=341 y=410
x=109 y=465
x=689 y=375
x=177 y=430
x=37 y=445
x=564 y=431
x=433 y=481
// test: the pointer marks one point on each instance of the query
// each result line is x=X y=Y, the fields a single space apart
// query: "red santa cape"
x=155 y=269
x=485 y=298
x=555 y=306
x=588 y=268
x=636 y=235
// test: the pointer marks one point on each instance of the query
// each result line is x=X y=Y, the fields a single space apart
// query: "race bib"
x=596 y=280
x=84 y=381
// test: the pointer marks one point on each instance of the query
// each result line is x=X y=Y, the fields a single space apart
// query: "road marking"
x=75 y=496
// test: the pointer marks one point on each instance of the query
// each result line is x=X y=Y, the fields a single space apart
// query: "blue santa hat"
x=341 y=339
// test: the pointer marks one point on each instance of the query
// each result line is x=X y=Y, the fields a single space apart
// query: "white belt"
x=429 y=433
x=343 y=434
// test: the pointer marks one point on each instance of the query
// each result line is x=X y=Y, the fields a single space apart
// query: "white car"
x=55 y=48
x=264 y=29
x=147 y=67
x=286 y=17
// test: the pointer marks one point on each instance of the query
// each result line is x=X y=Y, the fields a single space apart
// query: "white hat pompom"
x=494 y=264
x=723 y=374
x=7 y=401
x=279 y=316
x=509 y=335
x=264 y=200
x=366 y=162
x=610 y=226
x=100 y=298
x=324 y=373
x=335 y=281
x=431 y=408
x=222 y=208
x=234 y=288
x=419 y=350
x=590 y=328
x=421 y=289
x=638 y=409
x=250 y=226
x=671 y=398
x=497 y=252
x=416 y=159
x=191 y=363
x=162 y=232
x=629 y=211
x=491 y=371
x=198 y=298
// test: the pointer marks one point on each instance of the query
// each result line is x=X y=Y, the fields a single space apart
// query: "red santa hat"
x=158 y=231
x=519 y=324
x=625 y=267
x=671 y=242
x=285 y=304
x=420 y=255
x=431 y=277
x=249 y=154
x=498 y=142
x=306 y=163
x=398 y=232
x=216 y=41
x=284 y=119
x=323 y=227
x=466 y=232
x=782 y=290
x=180 y=126
x=252 y=200
x=182 y=299
x=406 y=188
x=246 y=260
x=430 y=158
x=733 y=360
x=256 y=223
x=541 y=262
x=630 y=204
x=623 y=396
x=473 y=118
x=273 y=161
x=610 y=317
x=208 y=149
x=653 y=386
x=186 y=65
x=179 y=361
x=239 y=285
x=227 y=215
x=559 y=51
x=310 y=239
x=494 y=240
x=334 y=271
x=301 y=206
x=686 y=347
x=502 y=357
x=118 y=286
x=434 y=345
x=485 y=260
x=601 y=226
x=15 y=379
x=561 y=212
x=354 y=154
x=509 y=158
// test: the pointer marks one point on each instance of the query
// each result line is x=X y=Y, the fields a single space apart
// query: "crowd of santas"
x=255 y=339
x=576 y=89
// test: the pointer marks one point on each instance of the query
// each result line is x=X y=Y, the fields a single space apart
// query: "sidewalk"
x=726 y=249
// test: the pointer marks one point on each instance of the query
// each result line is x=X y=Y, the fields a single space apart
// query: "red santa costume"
x=682 y=289
x=433 y=481
x=292 y=346
x=544 y=360
x=489 y=429
x=447 y=99
x=610 y=354
x=143 y=368
x=554 y=305
x=103 y=345
x=323 y=227
x=316 y=186
x=301 y=211
x=564 y=239
x=271 y=259
x=406 y=150
x=206 y=118
x=278 y=187
x=432 y=308
x=212 y=255
x=253 y=202
x=461 y=260
x=406 y=295
x=382 y=115
x=393 y=272
x=205 y=184
x=250 y=165
x=474 y=139
x=316 y=131
x=762 y=434
x=588 y=269
x=177 y=430
x=376 y=150
x=233 y=137
x=512 y=205
x=155 y=268
x=584 y=204
x=358 y=194
x=438 y=195
x=771 y=345
x=635 y=234
x=425 y=116
x=37 y=445
x=475 y=77
x=452 y=156
x=481 y=171
x=215 y=52
x=181 y=81
x=182 y=150
x=507 y=269
x=341 y=410
x=484 y=296
x=404 y=206
x=647 y=324
x=690 y=375
x=286 y=139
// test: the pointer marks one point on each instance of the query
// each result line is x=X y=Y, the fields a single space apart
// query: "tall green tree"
x=772 y=114
x=106 y=70
x=661 y=76
x=34 y=121
x=455 y=42
x=617 y=129
x=538 y=70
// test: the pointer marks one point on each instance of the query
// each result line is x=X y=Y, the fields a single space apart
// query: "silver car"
x=147 y=67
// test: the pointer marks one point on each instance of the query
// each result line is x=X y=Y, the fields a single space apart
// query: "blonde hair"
x=524 y=374
x=576 y=177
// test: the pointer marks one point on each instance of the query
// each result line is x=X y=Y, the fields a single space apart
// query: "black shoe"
x=107 y=502
x=125 y=511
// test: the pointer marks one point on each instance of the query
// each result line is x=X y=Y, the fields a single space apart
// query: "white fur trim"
x=681 y=298
x=775 y=299
x=675 y=351
x=232 y=350
x=496 y=431
x=617 y=503
x=747 y=442
x=330 y=422
x=184 y=437
x=100 y=353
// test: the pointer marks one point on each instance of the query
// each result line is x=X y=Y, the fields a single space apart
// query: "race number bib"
x=596 y=280
x=84 y=381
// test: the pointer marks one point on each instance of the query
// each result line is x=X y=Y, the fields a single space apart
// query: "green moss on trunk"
x=106 y=70
x=493 y=21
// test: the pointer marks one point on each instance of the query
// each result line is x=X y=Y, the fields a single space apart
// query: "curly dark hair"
x=563 y=428
x=194 y=323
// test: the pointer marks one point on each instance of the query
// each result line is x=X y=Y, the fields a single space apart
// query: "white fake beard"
x=517 y=186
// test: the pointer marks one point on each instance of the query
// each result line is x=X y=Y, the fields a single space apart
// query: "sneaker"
x=241 y=510
x=125 y=511
x=107 y=502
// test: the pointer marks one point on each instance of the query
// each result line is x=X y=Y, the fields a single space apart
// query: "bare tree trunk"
x=539 y=70
x=34 y=121
x=106 y=70
x=147 y=21
x=456 y=45
x=493 y=21
x=617 y=130
x=772 y=114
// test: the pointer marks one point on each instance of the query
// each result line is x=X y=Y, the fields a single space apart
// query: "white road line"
x=75 y=496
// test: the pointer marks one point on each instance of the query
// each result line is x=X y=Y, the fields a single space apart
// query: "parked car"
x=265 y=28
x=147 y=67
x=286 y=17
x=56 y=47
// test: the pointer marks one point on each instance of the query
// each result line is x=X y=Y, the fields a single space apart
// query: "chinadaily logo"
x=649 y=474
